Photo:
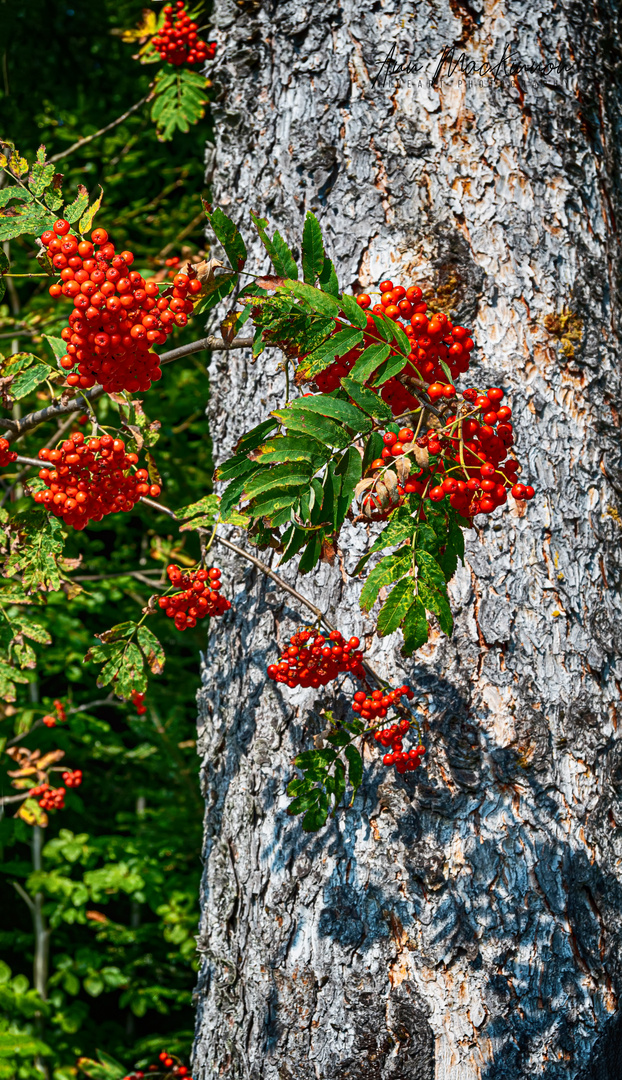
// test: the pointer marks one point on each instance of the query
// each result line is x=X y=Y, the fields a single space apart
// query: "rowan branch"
x=22 y=892
x=102 y=131
x=18 y=428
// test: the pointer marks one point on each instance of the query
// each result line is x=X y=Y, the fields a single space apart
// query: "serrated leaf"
x=32 y=814
x=402 y=339
x=75 y=209
x=209 y=505
x=230 y=237
x=8 y=193
x=271 y=502
x=30 y=222
x=287 y=267
x=340 y=410
x=429 y=570
x=415 y=628
x=152 y=650
x=328 y=278
x=293 y=448
x=293 y=540
x=388 y=570
x=57 y=345
x=369 y=360
x=292 y=474
x=86 y=221
x=390 y=369
x=401 y=526
x=236 y=467
x=231 y=495
x=336 y=345
x=355 y=769
x=367 y=400
x=214 y=291
x=318 y=301
x=395 y=606
x=33 y=631
x=319 y=427
x=353 y=311
x=28 y=379
x=435 y=601
x=254 y=438
x=40 y=542
x=349 y=468
x=40 y=178
x=312 y=249
x=312 y=553
x=336 y=785
x=315 y=818
x=303 y=802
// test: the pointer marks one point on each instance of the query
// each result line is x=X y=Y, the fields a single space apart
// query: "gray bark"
x=463 y=923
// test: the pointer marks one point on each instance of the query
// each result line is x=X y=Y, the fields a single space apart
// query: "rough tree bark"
x=465 y=922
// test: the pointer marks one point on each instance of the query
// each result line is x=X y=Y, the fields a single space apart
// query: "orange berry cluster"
x=88 y=480
x=433 y=339
x=73 y=778
x=138 y=701
x=51 y=721
x=117 y=316
x=314 y=659
x=169 y=1066
x=178 y=42
x=51 y=798
x=6 y=455
x=199 y=598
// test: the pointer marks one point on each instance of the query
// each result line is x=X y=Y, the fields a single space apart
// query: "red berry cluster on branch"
x=73 y=778
x=169 y=1066
x=138 y=701
x=314 y=659
x=52 y=798
x=89 y=479
x=117 y=316
x=378 y=702
x=51 y=721
x=178 y=42
x=6 y=456
x=200 y=596
x=404 y=760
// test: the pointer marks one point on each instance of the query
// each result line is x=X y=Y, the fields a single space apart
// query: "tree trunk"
x=464 y=921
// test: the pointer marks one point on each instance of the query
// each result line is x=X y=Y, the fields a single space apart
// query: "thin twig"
x=102 y=131
x=22 y=892
x=13 y=798
x=216 y=344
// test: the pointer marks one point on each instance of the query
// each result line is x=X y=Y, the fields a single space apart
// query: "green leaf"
x=401 y=526
x=310 y=423
x=8 y=193
x=86 y=221
x=31 y=221
x=314 y=819
x=231 y=495
x=209 y=504
x=415 y=628
x=254 y=438
x=318 y=301
x=293 y=448
x=274 y=501
x=340 y=410
x=388 y=570
x=370 y=359
x=312 y=553
x=367 y=400
x=328 y=278
x=152 y=650
x=214 y=291
x=353 y=311
x=285 y=264
x=390 y=368
x=336 y=785
x=349 y=468
x=435 y=601
x=40 y=540
x=373 y=449
x=57 y=345
x=395 y=606
x=402 y=339
x=355 y=769
x=293 y=539
x=4 y=262
x=336 y=345
x=287 y=475
x=235 y=467
x=40 y=177
x=429 y=570
x=304 y=802
x=72 y=212
x=312 y=249
x=230 y=237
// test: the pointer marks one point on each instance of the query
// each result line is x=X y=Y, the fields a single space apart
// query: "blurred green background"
x=121 y=864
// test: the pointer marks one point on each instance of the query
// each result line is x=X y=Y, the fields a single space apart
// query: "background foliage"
x=121 y=863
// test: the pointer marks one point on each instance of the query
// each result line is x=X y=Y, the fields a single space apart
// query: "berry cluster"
x=117 y=316
x=51 y=798
x=378 y=702
x=138 y=701
x=73 y=778
x=434 y=340
x=169 y=1066
x=404 y=760
x=51 y=721
x=88 y=480
x=6 y=455
x=178 y=42
x=199 y=598
x=314 y=659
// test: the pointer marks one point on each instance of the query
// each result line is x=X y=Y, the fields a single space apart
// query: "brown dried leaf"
x=270 y=282
x=227 y=326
